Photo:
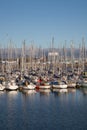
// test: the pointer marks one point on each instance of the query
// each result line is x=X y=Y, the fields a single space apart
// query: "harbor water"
x=64 y=109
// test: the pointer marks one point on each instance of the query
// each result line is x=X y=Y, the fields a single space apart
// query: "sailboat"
x=2 y=86
x=42 y=84
x=59 y=85
x=11 y=85
x=2 y=83
x=29 y=85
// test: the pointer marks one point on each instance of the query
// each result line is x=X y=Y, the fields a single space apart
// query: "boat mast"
x=53 y=55
x=83 y=54
x=72 y=55
x=23 y=57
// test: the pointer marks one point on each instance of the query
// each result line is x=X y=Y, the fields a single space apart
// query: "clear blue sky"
x=40 y=20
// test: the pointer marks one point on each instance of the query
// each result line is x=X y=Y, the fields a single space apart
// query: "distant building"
x=53 y=57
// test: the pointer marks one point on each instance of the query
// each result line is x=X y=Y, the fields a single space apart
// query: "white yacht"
x=11 y=85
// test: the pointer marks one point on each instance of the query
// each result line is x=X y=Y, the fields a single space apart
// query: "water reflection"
x=44 y=91
x=12 y=93
x=29 y=92
x=12 y=97
x=60 y=91
x=1 y=93
x=84 y=90
x=72 y=90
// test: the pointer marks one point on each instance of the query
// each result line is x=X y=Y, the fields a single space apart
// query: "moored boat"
x=71 y=83
x=59 y=84
x=2 y=87
x=45 y=85
x=11 y=85
x=29 y=85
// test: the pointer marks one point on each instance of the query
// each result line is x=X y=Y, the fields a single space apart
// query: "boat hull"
x=2 y=87
x=12 y=88
x=60 y=86
x=29 y=87
x=43 y=87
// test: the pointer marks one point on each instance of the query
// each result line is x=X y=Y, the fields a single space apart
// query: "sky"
x=38 y=21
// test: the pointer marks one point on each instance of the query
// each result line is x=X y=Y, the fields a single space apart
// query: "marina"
x=43 y=65
x=43 y=88
x=43 y=95
x=36 y=68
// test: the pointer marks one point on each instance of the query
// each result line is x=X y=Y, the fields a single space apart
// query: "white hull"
x=44 y=86
x=12 y=86
x=29 y=87
x=72 y=85
x=84 y=84
x=2 y=87
x=61 y=86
